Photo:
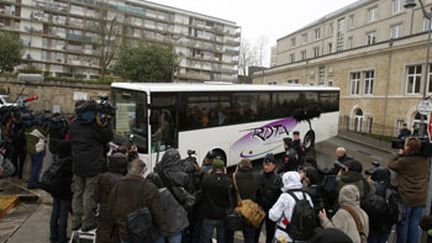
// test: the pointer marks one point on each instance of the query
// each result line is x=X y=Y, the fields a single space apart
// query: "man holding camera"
x=412 y=176
x=89 y=133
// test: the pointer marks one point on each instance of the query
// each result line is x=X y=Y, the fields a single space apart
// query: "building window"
x=321 y=75
x=292 y=81
x=303 y=54
x=398 y=127
x=395 y=31
x=317 y=34
x=430 y=79
x=293 y=41
x=413 y=79
x=340 y=42
x=373 y=14
x=350 y=42
x=292 y=57
x=351 y=21
x=396 y=6
x=355 y=83
x=305 y=38
x=370 y=38
x=330 y=29
x=316 y=51
x=426 y=23
x=369 y=77
x=369 y=122
x=358 y=120
x=330 y=47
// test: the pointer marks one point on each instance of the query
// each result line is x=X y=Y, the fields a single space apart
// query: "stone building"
x=374 y=50
x=65 y=37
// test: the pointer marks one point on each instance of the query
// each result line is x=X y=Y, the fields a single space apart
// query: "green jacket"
x=354 y=178
x=33 y=140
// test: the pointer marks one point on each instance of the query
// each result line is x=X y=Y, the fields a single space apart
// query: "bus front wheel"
x=309 y=140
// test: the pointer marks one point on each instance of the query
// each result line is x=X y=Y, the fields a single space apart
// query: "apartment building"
x=61 y=37
x=374 y=50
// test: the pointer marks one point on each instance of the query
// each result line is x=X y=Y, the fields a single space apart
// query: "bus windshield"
x=131 y=117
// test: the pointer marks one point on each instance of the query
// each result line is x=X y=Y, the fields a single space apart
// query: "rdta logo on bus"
x=267 y=132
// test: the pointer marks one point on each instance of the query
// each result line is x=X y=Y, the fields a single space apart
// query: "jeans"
x=270 y=230
x=18 y=159
x=59 y=218
x=207 y=227
x=83 y=202
x=177 y=238
x=379 y=237
x=408 y=228
x=36 y=166
x=248 y=233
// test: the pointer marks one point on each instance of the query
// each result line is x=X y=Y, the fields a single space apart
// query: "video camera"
x=426 y=146
x=92 y=111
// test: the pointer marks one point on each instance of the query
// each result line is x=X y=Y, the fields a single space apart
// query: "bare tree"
x=247 y=57
x=108 y=31
x=261 y=49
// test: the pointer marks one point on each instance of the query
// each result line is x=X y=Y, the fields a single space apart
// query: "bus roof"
x=201 y=87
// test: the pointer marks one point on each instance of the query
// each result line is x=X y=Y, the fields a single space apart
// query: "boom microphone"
x=30 y=99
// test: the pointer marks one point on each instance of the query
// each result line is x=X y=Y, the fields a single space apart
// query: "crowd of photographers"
x=102 y=185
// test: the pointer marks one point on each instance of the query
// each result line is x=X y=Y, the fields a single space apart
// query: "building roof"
x=332 y=15
x=170 y=8
x=215 y=86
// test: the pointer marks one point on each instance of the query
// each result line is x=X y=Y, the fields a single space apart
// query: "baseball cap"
x=210 y=155
x=269 y=158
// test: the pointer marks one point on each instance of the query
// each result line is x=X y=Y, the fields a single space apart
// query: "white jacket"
x=282 y=210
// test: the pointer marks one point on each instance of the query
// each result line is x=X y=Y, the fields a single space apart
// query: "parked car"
x=5 y=101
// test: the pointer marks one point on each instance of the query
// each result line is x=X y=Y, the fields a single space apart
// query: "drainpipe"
x=387 y=85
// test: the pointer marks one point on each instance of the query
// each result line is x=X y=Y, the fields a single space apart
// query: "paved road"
x=326 y=152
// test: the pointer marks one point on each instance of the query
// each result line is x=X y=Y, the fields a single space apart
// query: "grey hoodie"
x=349 y=196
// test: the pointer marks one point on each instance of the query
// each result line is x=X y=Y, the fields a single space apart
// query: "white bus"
x=235 y=121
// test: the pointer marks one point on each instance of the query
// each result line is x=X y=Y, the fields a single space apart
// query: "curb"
x=366 y=144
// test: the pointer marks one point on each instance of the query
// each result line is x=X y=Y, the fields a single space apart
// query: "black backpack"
x=52 y=176
x=384 y=209
x=394 y=206
x=375 y=207
x=139 y=225
x=303 y=219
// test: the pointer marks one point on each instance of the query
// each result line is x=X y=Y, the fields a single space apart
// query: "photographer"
x=89 y=133
x=412 y=170
x=6 y=167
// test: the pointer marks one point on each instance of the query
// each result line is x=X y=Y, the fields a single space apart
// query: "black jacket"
x=216 y=194
x=88 y=148
x=247 y=184
x=62 y=187
x=269 y=189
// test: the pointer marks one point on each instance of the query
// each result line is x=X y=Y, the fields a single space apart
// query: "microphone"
x=30 y=99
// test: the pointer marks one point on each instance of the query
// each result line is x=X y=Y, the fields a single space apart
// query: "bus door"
x=163 y=123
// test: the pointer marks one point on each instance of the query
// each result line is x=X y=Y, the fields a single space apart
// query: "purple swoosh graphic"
x=269 y=132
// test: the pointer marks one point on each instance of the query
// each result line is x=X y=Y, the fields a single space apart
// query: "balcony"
x=52 y=6
x=74 y=48
x=31 y=29
x=75 y=37
x=232 y=42
x=232 y=52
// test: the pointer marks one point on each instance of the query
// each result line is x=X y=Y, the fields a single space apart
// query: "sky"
x=262 y=21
